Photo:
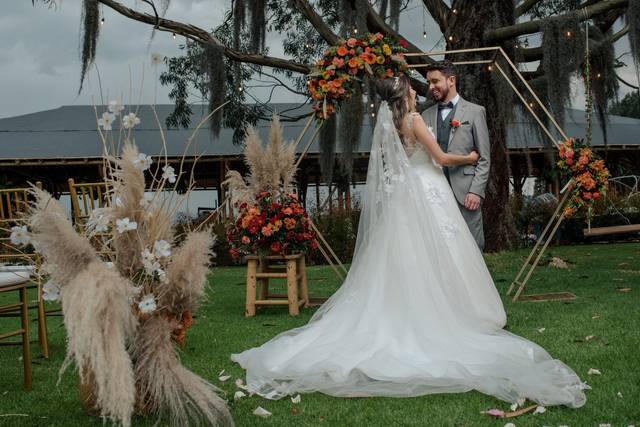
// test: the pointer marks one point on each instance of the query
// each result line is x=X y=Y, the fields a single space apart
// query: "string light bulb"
x=101 y=21
x=373 y=114
x=599 y=75
x=424 y=34
x=372 y=105
x=450 y=38
x=455 y=11
x=355 y=31
x=568 y=33
x=490 y=68
x=173 y=35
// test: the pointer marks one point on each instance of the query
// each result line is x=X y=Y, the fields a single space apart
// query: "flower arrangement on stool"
x=271 y=220
x=125 y=317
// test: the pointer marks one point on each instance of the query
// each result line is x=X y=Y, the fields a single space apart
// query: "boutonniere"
x=455 y=124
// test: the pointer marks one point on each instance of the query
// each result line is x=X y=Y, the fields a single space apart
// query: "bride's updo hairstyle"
x=395 y=91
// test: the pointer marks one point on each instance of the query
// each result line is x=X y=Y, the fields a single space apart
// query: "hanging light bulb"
x=101 y=21
x=173 y=35
x=373 y=114
x=568 y=33
x=424 y=34
x=355 y=31
x=455 y=11
x=450 y=38
x=490 y=68
x=372 y=105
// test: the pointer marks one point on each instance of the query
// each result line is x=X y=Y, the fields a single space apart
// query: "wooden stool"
x=10 y=283
x=265 y=268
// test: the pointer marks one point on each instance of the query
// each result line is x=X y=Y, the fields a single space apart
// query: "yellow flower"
x=386 y=49
x=380 y=60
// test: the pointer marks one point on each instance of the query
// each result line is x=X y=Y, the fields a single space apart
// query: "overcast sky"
x=40 y=65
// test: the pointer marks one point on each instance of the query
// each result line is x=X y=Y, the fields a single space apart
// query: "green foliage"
x=604 y=81
x=339 y=228
x=629 y=106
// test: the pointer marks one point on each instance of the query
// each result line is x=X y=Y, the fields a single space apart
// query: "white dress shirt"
x=445 y=111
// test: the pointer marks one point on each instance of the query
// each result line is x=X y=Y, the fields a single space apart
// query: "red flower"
x=403 y=43
x=276 y=246
x=455 y=123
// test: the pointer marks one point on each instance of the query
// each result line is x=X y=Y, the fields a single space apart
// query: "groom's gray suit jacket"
x=472 y=133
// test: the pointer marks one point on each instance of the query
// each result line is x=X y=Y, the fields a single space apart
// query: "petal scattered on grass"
x=494 y=412
x=541 y=330
x=594 y=372
x=261 y=412
x=296 y=399
x=540 y=410
x=238 y=395
x=224 y=378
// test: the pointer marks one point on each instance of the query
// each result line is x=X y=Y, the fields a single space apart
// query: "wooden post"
x=304 y=286
x=264 y=283
x=250 y=308
x=292 y=287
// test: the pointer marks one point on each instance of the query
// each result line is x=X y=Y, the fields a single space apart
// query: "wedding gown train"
x=418 y=312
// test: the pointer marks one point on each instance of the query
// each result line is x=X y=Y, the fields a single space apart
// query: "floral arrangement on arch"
x=343 y=67
x=588 y=173
x=125 y=312
x=271 y=220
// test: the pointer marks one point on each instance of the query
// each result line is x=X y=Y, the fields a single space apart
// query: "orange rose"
x=287 y=211
x=267 y=231
x=353 y=63
x=342 y=51
x=289 y=223
x=352 y=42
x=246 y=240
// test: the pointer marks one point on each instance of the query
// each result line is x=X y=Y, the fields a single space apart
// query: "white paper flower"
x=540 y=410
x=143 y=162
x=118 y=202
x=115 y=107
x=125 y=224
x=295 y=399
x=130 y=120
x=162 y=248
x=146 y=200
x=261 y=412
x=51 y=291
x=98 y=221
x=238 y=395
x=594 y=372
x=156 y=59
x=147 y=304
x=162 y=275
x=106 y=120
x=20 y=235
x=169 y=174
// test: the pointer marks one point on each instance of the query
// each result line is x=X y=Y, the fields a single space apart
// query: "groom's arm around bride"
x=460 y=127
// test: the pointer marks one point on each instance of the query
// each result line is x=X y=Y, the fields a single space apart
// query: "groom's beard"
x=440 y=95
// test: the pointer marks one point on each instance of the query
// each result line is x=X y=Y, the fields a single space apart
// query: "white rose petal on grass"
x=147 y=304
x=238 y=395
x=589 y=337
x=296 y=399
x=125 y=224
x=162 y=249
x=593 y=371
x=20 y=235
x=619 y=395
x=142 y=162
x=51 y=291
x=509 y=425
x=169 y=173
x=240 y=384
x=604 y=425
x=514 y=407
x=130 y=120
x=115 y=107
x=261 y=412
x=521 y=402
x=106 y=121
x=540 y=410
x=541 y=330
x=224 y=378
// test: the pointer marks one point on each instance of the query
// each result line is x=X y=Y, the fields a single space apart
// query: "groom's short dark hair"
x=446 y=67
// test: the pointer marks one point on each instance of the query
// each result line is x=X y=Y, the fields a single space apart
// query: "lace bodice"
x=410 y=144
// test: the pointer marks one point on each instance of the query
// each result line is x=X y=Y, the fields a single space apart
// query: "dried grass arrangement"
x=125 y=316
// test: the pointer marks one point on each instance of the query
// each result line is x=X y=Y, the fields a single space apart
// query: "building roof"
x=70 y=132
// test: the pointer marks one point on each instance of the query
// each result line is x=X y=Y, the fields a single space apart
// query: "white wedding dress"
x=418 y=312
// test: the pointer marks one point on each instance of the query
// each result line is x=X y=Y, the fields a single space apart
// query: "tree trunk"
x=479 y=85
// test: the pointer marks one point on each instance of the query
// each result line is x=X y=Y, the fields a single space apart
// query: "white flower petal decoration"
x=146 y=200
x=540 y=410
x=169 y=174
x=147 y=304
x=106 y=120
x=589 y=337
x=224 y=378
x=593 y=371
x=130 y=120
x=125 y=224
x=619 y=395
x=261 y=412
x=161 y=249
x=296 y=399
x=115 y=107
x=20 y=235
x=142 y=162
x=238 y=395
x=51 y=291
x=541 y=330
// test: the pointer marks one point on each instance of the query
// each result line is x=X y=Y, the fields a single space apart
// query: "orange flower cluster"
x=342 y=67
x=590 y=175
x=185 y=322
x=271 y=226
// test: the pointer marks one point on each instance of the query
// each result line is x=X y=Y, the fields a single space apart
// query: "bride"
x=418 y=312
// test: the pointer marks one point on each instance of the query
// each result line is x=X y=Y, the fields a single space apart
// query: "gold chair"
x=85 y=197
x=14 y=204
x=10 y=282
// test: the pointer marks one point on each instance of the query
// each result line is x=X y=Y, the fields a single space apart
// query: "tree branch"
x=530 y=27
x=316 y=20
x=626 y=82
x=202 y=36
x=525 y=7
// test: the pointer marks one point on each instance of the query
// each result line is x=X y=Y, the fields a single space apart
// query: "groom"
x=460 y=128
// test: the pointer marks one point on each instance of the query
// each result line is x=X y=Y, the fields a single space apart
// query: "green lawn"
x=596 y=273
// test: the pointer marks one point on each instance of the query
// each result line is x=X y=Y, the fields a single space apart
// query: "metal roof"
x=70 y=132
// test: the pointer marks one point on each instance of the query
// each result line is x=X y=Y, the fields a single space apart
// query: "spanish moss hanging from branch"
x=258 y=24
x=563 y=45
x=633 y=20
x=351 y=114
x=394 y=13
x=328 y=148
x=90 y=32
x=604 y=81
x=215 y=65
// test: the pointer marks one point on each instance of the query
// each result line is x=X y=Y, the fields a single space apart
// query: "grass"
x=596 y=273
